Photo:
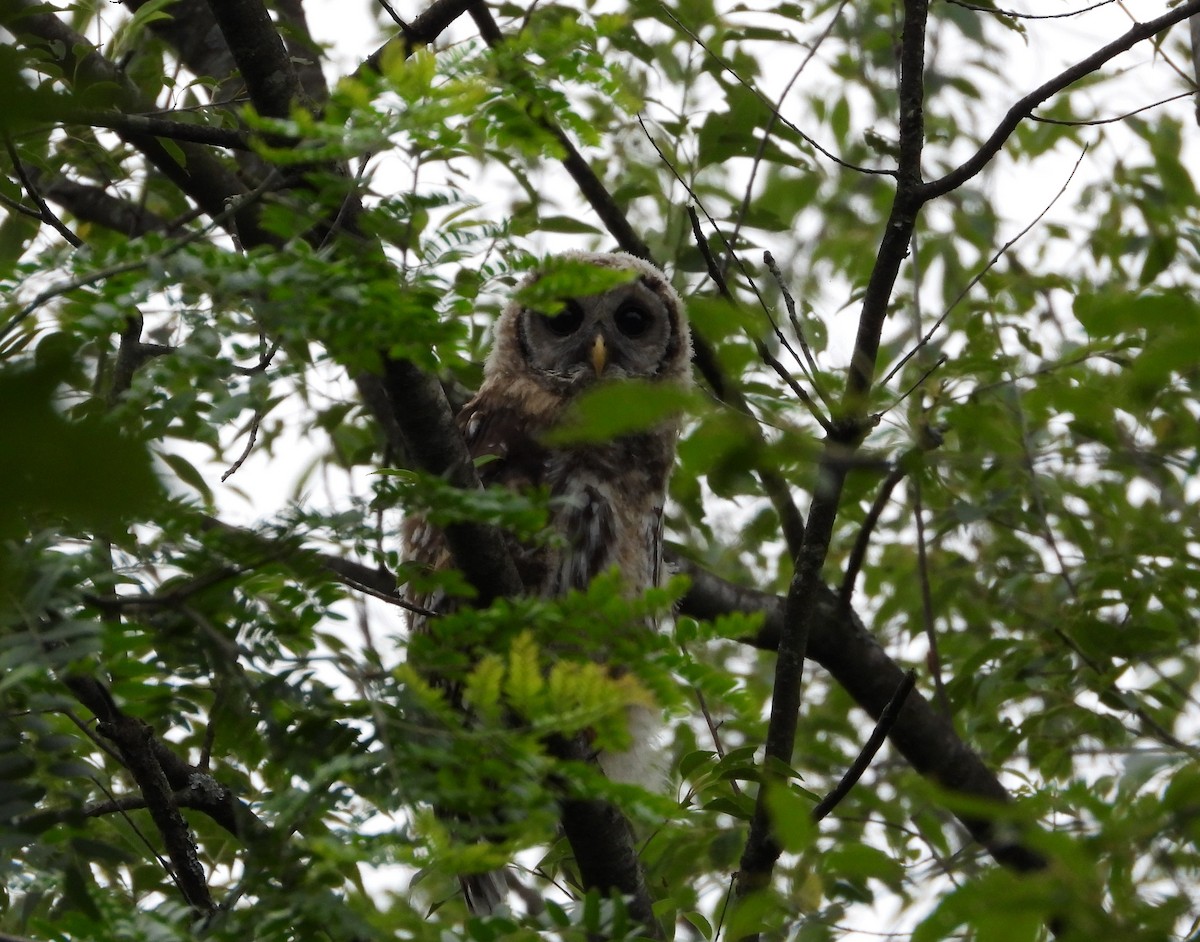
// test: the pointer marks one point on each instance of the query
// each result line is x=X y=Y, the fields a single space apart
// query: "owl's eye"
x=565 y=322
x=632 y=321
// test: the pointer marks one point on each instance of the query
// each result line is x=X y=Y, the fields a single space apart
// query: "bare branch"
x=842 y=645
x=260 y=54
x=859 y=551
x=1030 y=16
x=887 y=719
x=714 y=271
x=790 y=303
x=934 y=658
x=1139 y=32
x=1090 y=122
x=978 y=276
x=762 y=848
x=45 y=213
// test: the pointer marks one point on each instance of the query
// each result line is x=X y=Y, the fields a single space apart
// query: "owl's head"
x=636 y=329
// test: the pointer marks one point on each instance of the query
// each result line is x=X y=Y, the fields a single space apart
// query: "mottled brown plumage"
x=606 y=498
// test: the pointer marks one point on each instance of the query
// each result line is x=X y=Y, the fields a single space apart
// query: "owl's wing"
x=494 y=430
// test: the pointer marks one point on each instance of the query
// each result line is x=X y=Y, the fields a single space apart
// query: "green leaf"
x=564 y=277
x=87 y=472
x=188 y=474
x=791 y=817
x=611 y=410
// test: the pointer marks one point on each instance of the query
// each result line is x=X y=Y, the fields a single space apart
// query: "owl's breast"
x=608 y=507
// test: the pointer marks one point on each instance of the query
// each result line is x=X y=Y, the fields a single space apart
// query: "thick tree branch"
x=92 y=204
x=157 y=126
x=897 y=233
x=140 y=752
x=427 y=27
x=762 y=848
x=260 y=54
x=841 y=644
x=206 y=794
x=434 y=443
x=603 y=843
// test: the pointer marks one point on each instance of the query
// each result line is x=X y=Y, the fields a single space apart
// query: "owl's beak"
x=599 y=354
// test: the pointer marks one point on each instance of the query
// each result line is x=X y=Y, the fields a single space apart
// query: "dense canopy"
x=928 y=660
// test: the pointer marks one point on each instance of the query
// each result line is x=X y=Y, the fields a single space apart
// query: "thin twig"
x=859 y=551
x=983 y=271
x=790 y=303
x=722 y=286
x=757 y=93
x=887 y=719
x=234 y=206
x=405 y=29
x=729 y=249
x=1030 y=16
x=765 y=354
x=934 y=658
x=46 y=214
x=933 y=368
x=122 y=807
x=776 y=115
x=714 y=270
x=1121 y=117
x=385 y=596
x=18 y=207
x=255 y=422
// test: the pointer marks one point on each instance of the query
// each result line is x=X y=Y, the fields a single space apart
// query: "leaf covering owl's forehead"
x=566 y=276
x=591 y=278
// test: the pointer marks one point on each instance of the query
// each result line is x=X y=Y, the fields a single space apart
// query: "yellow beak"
x=599 y=354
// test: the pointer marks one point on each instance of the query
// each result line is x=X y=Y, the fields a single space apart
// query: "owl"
x=606 y=498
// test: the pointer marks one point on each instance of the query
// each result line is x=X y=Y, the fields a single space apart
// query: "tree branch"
x=603 y=843
x=206 y=793
x=1024 y=108
x=887 y=719
x=427 y=27
x=45 y=213
x=762 y=848
x=201 y=176
x=192 y=32
x=92 y=204
x=841 y=644
x=260 y=54
x=157 y=126
x=433 y=442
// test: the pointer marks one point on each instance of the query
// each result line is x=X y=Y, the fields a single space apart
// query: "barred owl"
x=606 y=498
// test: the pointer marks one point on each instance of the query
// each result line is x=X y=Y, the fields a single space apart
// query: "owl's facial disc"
x=620 y=333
